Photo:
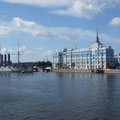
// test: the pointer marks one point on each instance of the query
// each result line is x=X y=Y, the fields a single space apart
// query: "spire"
x=97 y=38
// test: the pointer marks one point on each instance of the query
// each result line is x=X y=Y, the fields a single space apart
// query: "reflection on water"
x=59 y=96
x=5 y=74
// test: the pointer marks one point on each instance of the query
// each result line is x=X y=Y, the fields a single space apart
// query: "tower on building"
x=97 y=37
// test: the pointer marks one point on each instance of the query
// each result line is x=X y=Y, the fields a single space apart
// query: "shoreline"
x=107 y=71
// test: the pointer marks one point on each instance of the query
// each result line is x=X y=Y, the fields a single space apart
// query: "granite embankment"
x=107 y=71
x=71 y=70
x=112 y=71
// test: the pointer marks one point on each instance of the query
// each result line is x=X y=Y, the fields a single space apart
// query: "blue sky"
x=44 y=26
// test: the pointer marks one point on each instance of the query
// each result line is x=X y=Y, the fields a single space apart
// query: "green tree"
x=73 y=65
x=58 y=65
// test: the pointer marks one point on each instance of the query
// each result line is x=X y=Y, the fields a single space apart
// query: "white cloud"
x=40 y=48
x=107 y=38
x=41 y=3
x=24 y=54
x=4 y=51
x=4 y=30
x=44 y=32
x=49 y=33
x=23 y=51
x=30 y=27
x=115 y=21
x=19 y=22
x=47 y=55
x=87 y=8
x=78 y=8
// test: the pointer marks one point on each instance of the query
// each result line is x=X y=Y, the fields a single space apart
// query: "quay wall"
x=70 y=70
x=112 y=71
x=107 y=71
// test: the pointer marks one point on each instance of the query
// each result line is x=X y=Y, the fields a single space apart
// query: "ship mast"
x=18 y=53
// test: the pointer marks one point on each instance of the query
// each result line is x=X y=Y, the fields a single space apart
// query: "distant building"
x=117 y=61
x=97 y=56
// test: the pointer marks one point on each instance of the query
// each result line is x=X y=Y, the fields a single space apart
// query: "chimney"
x=5 y=58
x=1 y=58
x=8 y=58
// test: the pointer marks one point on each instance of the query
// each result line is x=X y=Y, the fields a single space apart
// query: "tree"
x=58 y=65
x=73 y=65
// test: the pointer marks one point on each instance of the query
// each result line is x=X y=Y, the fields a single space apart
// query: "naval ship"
x=7 y=66
x=19 y=67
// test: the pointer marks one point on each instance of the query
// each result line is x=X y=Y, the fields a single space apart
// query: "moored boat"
x=98 y=70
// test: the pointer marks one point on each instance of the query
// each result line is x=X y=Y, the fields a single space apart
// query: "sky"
x=45 y=26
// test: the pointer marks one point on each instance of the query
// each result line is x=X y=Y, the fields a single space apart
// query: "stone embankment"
x=71 y=70
x=112 y=71
x=106 y=71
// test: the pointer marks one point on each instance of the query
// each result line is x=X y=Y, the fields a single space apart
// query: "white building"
x=97 y=56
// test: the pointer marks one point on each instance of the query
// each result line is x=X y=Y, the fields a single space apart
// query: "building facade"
x=117 y=61
x=97 y=56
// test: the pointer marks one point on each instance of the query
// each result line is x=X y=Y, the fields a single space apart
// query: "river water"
x=59 y=96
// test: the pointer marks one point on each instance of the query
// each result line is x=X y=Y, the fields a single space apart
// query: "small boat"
x=98 y=70
x=28 y=69
x=22 y=72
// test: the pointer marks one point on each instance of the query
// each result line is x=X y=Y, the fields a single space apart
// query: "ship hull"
x=27 y=69
x=6 y=69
